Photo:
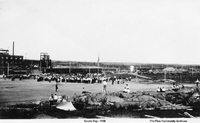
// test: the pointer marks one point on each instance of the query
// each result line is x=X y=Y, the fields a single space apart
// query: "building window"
x=20 y=58
x=11 y=57
x=15 y=58
x=6 y=57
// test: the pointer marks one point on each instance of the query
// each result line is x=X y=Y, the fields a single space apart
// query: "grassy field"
x=17 y=91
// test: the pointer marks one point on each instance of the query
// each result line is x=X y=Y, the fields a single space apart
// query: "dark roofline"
x=31 y=60
x=10 y=55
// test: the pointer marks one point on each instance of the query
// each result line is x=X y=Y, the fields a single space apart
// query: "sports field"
x=30 y=90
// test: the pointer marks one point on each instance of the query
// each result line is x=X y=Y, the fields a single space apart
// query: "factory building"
x=9 y=62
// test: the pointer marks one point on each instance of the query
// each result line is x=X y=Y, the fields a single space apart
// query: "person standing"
x=51 y=99
x=56 y=87
x=4 y=76
x=118 y=80
x=104 y=86
x=49 y=78
x=113 y=80
x=55 y=97
x=197 y=83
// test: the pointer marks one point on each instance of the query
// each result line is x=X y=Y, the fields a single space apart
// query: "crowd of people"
x=76 y=78
x=80 y=78
x=20 y=76
x=175 y=87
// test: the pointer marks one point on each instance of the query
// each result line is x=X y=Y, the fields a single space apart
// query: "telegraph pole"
x=7 y=69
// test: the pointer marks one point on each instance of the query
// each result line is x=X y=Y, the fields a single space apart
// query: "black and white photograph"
x=100 y=61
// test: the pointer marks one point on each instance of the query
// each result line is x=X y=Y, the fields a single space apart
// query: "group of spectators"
x=80 y=78
x=175 y=87
x=20 y=76
x=119 y=80
x=76 y=78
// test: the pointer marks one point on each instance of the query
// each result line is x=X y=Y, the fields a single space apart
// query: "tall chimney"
x=13 y=47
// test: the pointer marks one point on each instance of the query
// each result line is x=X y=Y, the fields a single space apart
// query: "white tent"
x=169 y=69
x=67 y=106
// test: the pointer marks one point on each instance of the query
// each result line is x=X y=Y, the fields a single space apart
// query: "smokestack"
x=13 y=47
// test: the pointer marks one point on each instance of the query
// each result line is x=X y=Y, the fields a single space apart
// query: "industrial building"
x=9 y=62
x=31 y=63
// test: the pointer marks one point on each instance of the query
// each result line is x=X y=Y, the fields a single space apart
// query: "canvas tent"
x=169 y=69
x=66 y=106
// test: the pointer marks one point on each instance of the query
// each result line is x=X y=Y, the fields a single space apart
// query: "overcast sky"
x=148 y=31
